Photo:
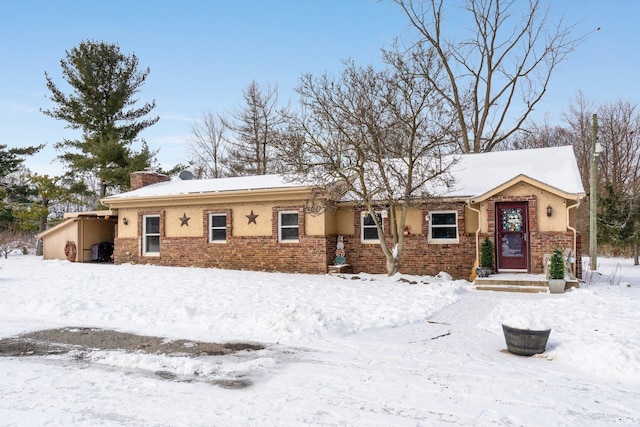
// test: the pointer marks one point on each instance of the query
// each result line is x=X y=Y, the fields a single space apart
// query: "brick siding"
x=238 y=253
x=144 y=178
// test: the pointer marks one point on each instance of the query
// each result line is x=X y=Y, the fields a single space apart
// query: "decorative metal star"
x=252 y=217
x=184 y=220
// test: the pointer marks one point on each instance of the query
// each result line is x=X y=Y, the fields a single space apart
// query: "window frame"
x=281 y=239
x=212 y=228
x=146 y=235
x=363 y=216
x=443 y=241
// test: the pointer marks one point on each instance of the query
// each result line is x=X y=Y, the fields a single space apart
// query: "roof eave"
x=440 y=199
x=524 y=178
x=56 y=227
x=99 y=213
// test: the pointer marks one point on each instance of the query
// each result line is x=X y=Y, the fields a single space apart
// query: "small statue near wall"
x=340 y=253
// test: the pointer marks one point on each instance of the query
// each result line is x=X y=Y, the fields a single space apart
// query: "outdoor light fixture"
x=125 y=221
x=549 y=210
x=598 y=149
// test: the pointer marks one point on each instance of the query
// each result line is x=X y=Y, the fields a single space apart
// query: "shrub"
x=556 y=265
x=486 y=253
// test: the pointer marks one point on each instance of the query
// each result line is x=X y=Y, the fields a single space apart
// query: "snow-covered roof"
x=199 y=186
x=478 y=174
x=474 y=175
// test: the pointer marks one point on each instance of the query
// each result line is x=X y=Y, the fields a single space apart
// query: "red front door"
x=512 y=241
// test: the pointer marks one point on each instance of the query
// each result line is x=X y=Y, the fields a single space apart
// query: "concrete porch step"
x=516 y=282
x=511 y=288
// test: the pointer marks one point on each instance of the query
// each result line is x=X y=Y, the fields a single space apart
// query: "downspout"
x=80 y=241
x=477 y=264
x=575 y=233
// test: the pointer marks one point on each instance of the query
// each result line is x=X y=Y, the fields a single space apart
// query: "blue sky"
x=203 y=53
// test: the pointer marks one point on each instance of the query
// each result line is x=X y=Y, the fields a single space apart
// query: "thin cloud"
x=178 y=117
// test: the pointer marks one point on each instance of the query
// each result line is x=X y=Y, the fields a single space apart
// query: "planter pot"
x=525 y=342
x=556 y=286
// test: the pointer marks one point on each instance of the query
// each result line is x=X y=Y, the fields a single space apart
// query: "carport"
x=76 y=237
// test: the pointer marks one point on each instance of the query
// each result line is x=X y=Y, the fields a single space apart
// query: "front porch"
x=518 y=282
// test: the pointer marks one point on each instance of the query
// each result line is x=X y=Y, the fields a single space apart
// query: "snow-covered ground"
x=355 y=351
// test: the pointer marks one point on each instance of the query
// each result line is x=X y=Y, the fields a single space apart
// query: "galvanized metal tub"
x=525 y=342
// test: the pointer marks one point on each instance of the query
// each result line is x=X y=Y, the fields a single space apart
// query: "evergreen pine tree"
x=102 y=105
x=619 y=218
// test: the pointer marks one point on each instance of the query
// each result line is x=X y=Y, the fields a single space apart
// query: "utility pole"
x=593 y=195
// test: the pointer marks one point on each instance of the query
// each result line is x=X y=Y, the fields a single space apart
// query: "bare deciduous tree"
x=207 y=146
x=539 y=136
x=256 y=127
x=380 y=135
x=579 y=120
x=497 y=74
x=9 y=238
x=619 y=133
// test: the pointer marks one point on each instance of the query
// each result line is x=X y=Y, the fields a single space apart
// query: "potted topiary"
x=556 y=272
x=486 y=258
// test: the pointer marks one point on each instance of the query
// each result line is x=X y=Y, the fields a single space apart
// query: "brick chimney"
x=143 y=178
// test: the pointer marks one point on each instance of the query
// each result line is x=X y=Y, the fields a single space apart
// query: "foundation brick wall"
x=238 y=253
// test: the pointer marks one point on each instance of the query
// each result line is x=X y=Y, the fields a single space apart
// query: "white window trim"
x=363 y=215
x=211 y=228
x=145 y=252
x=444 y=241
x=280 y=227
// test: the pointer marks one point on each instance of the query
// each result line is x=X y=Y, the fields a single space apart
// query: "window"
x=369 y=232
x=151 y=235
x=218 y=228
x=443 y=227
x=288 y=226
